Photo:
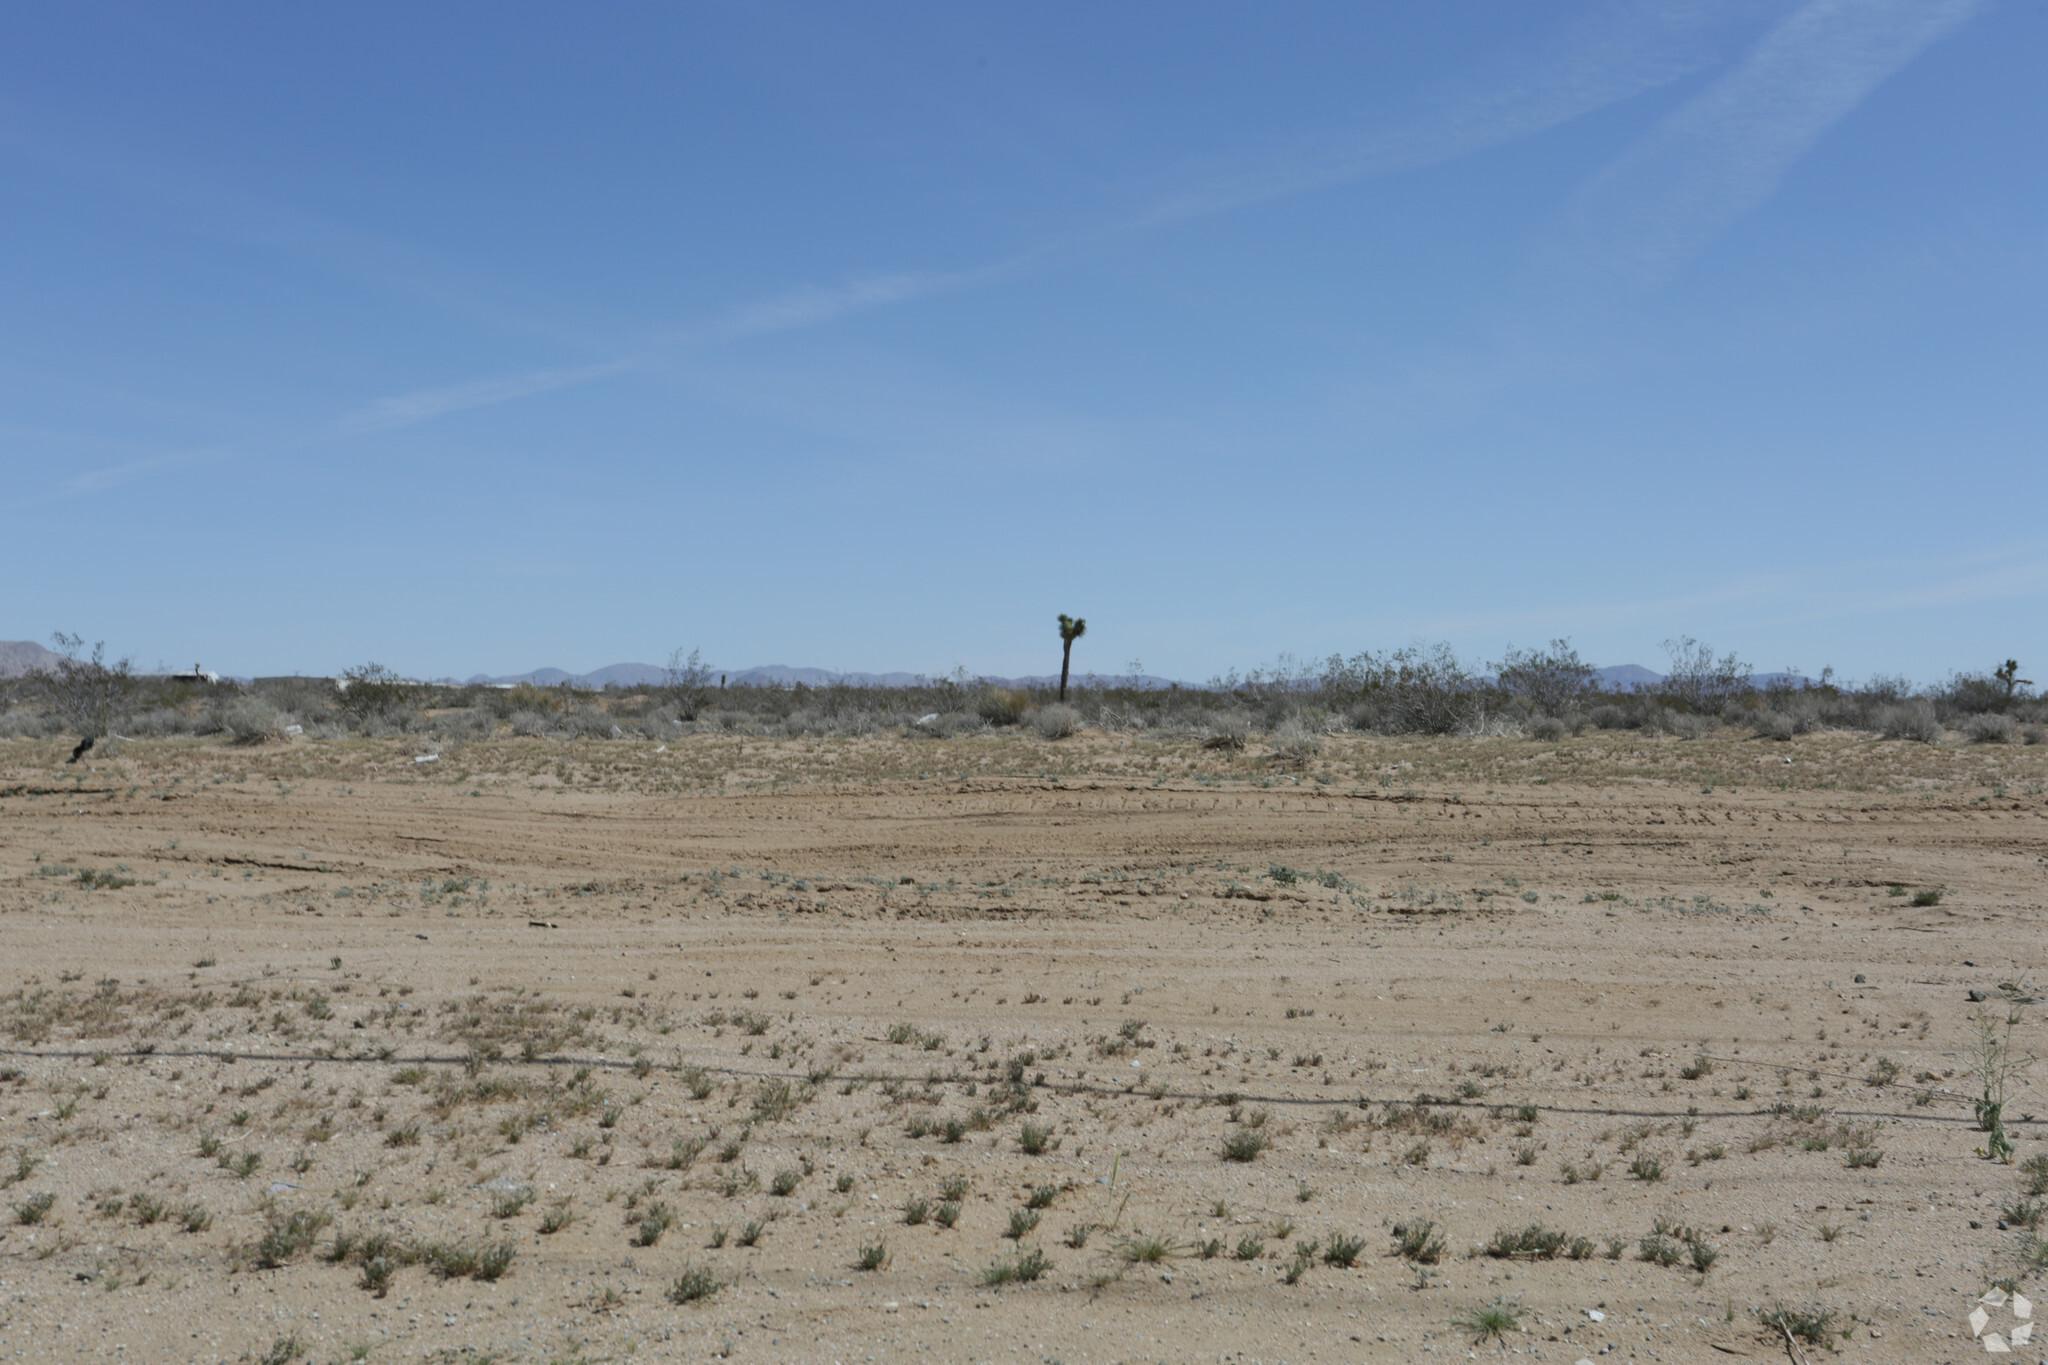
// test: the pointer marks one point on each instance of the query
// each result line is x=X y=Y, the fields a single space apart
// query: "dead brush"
x=681 y=1154
x=1813 y=1326
x=1424 y=1118
x=510 y=1203
x=777 y=1100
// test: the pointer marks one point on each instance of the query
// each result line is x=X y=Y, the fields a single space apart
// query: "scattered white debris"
x=927 y=720
x=295 y=729
x=426 y=758
x=1596 y=1315
x=662 y=749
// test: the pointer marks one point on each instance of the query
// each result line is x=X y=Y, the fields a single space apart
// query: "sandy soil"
x=331 y=1034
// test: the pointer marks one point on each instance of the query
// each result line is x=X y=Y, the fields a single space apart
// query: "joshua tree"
x=2009 y=677
x=1072 y=628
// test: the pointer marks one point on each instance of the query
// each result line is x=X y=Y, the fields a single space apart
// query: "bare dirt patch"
x=998 y=1049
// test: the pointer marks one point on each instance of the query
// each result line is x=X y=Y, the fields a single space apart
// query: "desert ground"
x=1112 y=1049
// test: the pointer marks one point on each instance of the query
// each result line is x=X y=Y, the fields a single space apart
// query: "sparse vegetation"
x=837 y=1036
x=694 y=1285
x=1245 y=1145
x=1020 y=1269
x=1419 y=1242
x=1490 y=1320
x=1814 y=1326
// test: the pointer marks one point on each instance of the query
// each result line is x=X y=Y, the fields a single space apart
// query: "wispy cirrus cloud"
x=424 y=405
x=1617 y=54
x=1621 y=52
x=1725 y=152
x=812 y=306
x=791 y=310
x=1625 y=51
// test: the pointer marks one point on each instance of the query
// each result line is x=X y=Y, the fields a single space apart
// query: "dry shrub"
x=1002 y=705
x=1056 y=721
x=1991 y=728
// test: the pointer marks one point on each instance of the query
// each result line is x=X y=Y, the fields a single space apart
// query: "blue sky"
x=477 y=338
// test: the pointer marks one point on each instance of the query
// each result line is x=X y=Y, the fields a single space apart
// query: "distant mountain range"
x=23 y=656
x=1625 y=678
